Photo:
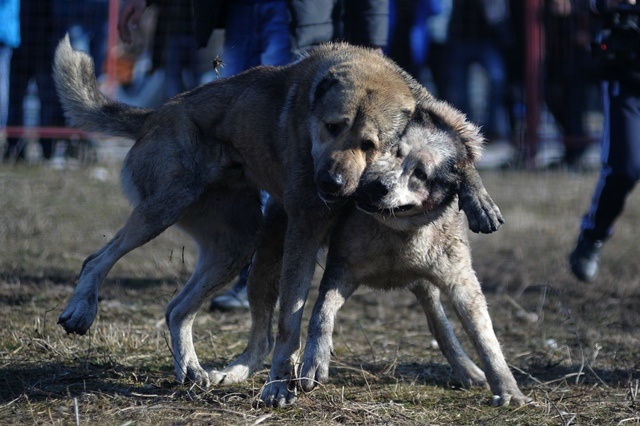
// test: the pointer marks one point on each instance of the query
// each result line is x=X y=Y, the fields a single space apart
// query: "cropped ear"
x=483 y=215
x=325 y=84
x=448 y=117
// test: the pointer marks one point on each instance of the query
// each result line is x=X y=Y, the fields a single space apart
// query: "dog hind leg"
x=471 y=307
x=225 y=224
x=262 y=292
x=463 y=367
x=148 y=220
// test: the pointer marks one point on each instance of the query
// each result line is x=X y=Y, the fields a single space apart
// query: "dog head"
x=420 y=177
x=360 y=107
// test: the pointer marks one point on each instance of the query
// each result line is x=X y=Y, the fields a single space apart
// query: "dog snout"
x=373 y=191
x=331 y=183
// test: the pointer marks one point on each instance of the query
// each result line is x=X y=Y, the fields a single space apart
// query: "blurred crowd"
x=468 y=52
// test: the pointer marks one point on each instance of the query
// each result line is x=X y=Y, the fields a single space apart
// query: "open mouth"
x=373 y=209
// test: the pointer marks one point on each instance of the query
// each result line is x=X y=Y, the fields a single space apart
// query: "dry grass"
x=578 y=356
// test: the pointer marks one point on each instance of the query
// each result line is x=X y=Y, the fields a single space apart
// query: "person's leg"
x=240 y=51
x=621 y=161
x=495 y=118
x=5 y=68
x=274 y=35
x=620 y=172
x=19 y=75
x=456 y=85
x=50 y=109
x=179 y=64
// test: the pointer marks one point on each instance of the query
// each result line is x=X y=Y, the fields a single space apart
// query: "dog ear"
x=325 y=84
x=447 y=117
x=483 y=215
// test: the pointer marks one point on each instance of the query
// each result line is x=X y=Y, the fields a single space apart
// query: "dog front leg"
x=464 y=368
x=336 y=287
x=482 y=213
x=471 y=307
x=303 y=239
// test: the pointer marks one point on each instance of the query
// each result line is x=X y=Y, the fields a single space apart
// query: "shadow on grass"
x=441 y=375
x=56 y=380
x=59 y=380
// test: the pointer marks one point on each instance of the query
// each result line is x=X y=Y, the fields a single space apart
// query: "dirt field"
x=574 y=348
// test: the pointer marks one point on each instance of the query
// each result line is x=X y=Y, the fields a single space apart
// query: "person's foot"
x=585 y=257
x=234 y=298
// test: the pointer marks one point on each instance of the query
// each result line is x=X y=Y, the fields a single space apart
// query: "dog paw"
x=278 y=393
x=482 y=213
x=514 y=398
x=472 y=379
x=193 y=374
x=78 y=316
x=314 y=371
x=199 y=376
x=231 y=374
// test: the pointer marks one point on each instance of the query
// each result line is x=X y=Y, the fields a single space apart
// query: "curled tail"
x=83 y=103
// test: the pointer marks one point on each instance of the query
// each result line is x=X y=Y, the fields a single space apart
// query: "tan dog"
x=412 y=236
x=303 y=132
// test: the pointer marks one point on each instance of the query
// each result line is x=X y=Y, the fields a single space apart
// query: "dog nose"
x=331 y=184
x=374 y=190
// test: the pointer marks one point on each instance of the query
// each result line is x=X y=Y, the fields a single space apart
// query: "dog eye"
x=420 y=174
x=333 y=128
x=368 y=145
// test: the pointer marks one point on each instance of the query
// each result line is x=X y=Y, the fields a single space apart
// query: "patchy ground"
x=574 y=348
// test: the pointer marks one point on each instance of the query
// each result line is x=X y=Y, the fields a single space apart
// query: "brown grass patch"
x=580 y=360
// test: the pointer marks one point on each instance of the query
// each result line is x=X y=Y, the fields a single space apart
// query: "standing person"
x=620 y=147
x=174 y=47
x=9 y=40
x=256 y=33
x=312 y=22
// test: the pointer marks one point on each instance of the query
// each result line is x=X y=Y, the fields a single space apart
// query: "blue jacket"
x=10 y=19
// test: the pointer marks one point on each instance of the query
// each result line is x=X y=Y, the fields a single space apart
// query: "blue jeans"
x=256 y=34
x=5 y=69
